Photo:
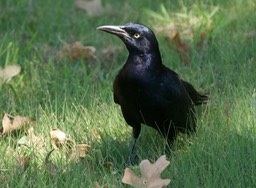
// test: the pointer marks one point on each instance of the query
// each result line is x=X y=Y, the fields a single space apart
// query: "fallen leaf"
x=201 y=41
x=131 y=178
x=250 y=34
x=22 y=162
x=51 y=168
x=80 y=151
x=23 y=141
x=97 y=185
x=83 y=149
x=187 y=34
x=35 y=141
x=7 y=73
x=95 y=133
x=92 y=8
x=150 y=174
x=76 y=50
x=169 y=31
x=10 y=123
x=31 y=140
x=58 y=138
x=57 y=134
x=183 y=48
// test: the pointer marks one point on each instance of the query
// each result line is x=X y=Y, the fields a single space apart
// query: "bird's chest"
x=134 y=88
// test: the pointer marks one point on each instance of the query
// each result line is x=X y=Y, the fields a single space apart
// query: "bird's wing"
x=173 y=88
x=197 y=98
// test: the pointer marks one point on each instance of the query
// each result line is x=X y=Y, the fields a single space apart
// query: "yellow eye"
x=136 y=35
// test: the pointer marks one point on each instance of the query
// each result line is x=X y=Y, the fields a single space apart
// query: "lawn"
x=65 y=83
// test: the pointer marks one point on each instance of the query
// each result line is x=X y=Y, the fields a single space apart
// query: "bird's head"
x=138 y=38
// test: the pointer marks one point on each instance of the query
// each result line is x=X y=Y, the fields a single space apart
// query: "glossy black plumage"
x=149 y=92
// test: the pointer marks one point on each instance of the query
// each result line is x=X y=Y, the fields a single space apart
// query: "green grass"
x=76 y=96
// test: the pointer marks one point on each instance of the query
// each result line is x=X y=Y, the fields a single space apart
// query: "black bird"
x=149 y=92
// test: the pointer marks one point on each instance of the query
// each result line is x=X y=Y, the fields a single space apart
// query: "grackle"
x=148 y=92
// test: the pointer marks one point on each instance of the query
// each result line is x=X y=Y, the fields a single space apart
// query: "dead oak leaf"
x=97 y=185
x=202 y=39
x=250 y=34
x=150 y=174
x=10 y=123
x=23 y=162
x=83 y=149
x=31 y=140
x=58 y=138
x=182 y=47
x=92 y=8
x=7 y=73
x=169 y=30
x=77 y=50
x=79 y=151
x=35 y=141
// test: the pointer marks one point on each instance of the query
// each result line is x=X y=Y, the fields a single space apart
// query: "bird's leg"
x=132 y=157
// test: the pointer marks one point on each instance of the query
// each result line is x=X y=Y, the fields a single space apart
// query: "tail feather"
x=196 y=97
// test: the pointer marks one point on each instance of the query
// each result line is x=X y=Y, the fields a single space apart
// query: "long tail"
x=196 y=97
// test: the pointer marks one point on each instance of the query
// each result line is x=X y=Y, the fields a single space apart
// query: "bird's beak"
x=116 y=30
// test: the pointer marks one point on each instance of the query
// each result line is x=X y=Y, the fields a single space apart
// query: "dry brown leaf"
x=58 y=138
x=150 y=174
x=35 y=141
x=8 y=72
x=32 y=141
x=23 y=162
x=201 y=41
x=170 y=30
x=10 y=123
x=250 y=34
x=80 y=151
x=131 y=178
x=92 y=8
x=95 y=133
x=97 y=185
x=183 y=48
x=83 y=149
x=188 y=34
x=76 y=50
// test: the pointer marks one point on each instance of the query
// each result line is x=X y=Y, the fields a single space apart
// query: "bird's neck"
x=149 y=60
